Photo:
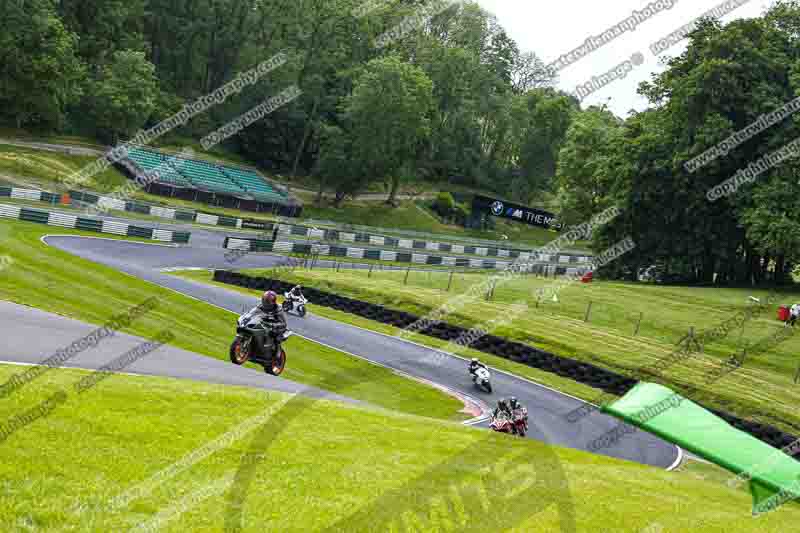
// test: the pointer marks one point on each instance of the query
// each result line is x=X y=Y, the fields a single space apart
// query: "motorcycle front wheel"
x=278 y=363
x=301 y=310
x=488 y=387
x=240 y=351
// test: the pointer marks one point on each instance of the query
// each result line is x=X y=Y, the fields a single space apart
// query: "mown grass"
x=763 y=389
x=46 y=278
x=44 y=169
x=320 y=465
x=546 y=378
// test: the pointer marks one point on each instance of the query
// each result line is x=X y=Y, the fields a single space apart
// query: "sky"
x=551 y=29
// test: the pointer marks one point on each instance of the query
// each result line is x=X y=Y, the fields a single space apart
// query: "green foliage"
x=388 y=116
x=124 y=96
x=40 y=73
x=444 y=204
x=725 y=81
x=584 y=176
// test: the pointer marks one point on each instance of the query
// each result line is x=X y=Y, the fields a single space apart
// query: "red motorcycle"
x=502 y=423
x=520 y=421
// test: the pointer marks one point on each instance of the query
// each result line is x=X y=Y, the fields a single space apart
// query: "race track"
x=547 y=407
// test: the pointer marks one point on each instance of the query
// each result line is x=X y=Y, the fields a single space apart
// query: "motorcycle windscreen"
x=773 y=474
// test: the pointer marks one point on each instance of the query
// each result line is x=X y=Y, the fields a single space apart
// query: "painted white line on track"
x=470 y=422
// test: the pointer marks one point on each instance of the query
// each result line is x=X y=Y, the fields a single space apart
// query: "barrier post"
x=450 y=281
x=588 y=310
x=405 y=281
x=639 y=323
x=369 y=274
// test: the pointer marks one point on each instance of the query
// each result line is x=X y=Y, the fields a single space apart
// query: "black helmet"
x=512 y=401
x=501 y=403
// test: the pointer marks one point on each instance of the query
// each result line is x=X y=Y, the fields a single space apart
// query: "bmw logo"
x=497 y=208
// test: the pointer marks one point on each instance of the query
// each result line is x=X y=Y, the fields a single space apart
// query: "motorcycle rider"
x=474 y=365
x=273 y=317
x=296 y=293
x=502 y=407
x=513 y=405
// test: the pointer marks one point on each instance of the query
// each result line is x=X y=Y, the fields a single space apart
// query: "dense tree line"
x=450 y=98
x=727 y=78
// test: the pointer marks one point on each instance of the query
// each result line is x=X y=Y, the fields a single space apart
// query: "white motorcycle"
x=294 y=304
x=481 y=379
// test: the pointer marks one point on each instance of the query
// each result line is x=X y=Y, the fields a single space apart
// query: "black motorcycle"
x=255 y=342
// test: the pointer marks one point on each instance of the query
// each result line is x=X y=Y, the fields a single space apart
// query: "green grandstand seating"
x=150 y=161
x=196 y=173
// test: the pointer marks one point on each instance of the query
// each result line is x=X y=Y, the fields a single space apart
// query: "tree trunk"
x=780 y=262
x=393 y=191
x=318 y=200
x=304 y=140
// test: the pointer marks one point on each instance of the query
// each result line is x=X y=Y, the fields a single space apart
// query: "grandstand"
x=208 y=182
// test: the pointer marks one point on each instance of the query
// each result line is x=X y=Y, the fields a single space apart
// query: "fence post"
x=588 y=310
x=337 y=266
x=369 y=275
x=450 y=281
x=639 y=323
x=405 y=281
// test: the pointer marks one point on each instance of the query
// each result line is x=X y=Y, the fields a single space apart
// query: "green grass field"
x=320 y=466
x=763 y=389
x=58 y=282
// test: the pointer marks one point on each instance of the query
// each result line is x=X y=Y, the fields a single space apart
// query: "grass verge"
x=328 y=465
x=546 y=378
x=763 y=389
x=55 y=281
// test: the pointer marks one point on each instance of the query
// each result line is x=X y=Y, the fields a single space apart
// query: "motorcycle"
x=502 y=423
x=520 y=421
x=253 y=342
x=295 y=304
x=481 y=378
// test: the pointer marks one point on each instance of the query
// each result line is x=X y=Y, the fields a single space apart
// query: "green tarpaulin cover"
x=773 y=475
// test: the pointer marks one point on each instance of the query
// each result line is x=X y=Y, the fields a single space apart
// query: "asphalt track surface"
x=547 y=408
x=30 y=335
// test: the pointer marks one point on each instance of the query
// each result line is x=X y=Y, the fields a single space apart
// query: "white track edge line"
x=43 y=237
x=680 y=451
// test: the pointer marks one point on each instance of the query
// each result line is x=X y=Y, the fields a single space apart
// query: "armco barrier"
x=65 y=220
x=415 y=244
x=328 y=235
x=325 y=250
x=580 y=372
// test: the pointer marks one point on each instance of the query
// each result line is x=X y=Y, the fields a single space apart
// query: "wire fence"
x=599 y=305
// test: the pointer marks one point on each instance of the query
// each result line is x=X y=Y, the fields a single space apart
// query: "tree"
x=583 y=177
x=124 y=96
x=40 y=73
x=338 y=168
x=389 y=113
x=541 y=119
